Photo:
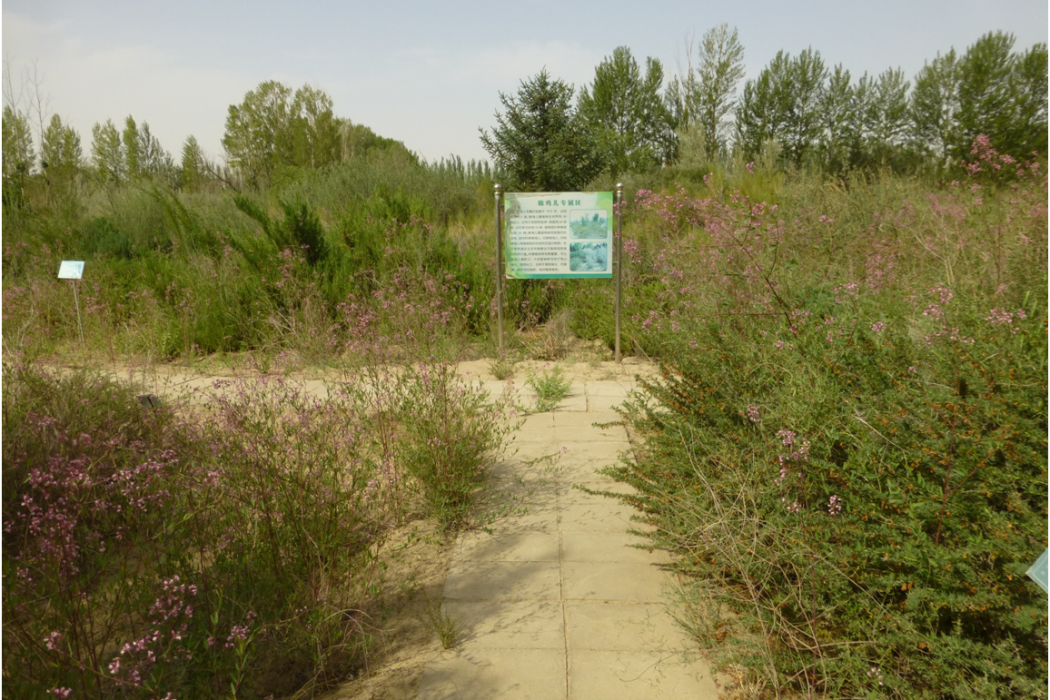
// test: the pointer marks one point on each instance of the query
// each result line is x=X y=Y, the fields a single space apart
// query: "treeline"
x=273 y=138
x=796 y=112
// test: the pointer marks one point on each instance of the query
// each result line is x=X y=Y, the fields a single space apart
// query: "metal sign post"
x=73 y=270
x=499 y=268
x=619 y=265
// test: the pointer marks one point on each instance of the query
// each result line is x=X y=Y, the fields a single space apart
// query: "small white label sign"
x=71 y=270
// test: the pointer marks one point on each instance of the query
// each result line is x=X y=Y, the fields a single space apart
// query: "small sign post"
x=499 y=268
x=73 y=270
x=619 y=263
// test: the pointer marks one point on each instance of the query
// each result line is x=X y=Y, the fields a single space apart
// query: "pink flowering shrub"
x=871 y=532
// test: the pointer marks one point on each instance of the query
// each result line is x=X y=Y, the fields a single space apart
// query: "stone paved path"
x=554 y=602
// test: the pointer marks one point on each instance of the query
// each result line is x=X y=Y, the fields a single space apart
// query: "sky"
x=429 y=74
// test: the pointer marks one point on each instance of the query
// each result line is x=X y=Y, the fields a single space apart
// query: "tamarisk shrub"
x=847 y=448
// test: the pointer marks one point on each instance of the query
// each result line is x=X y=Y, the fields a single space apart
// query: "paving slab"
x=485 y=674
x=619 y=626
x=508 y=546
x=503 y=580
x=553 y=599
x=620 y=581
x=508 y=625
x=563 y=419
x=639 y=675
x=609 y=547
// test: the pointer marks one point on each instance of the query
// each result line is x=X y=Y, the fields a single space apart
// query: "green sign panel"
x=1038 y=571
x=558 y=234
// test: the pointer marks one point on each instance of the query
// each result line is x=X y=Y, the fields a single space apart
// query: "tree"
x=1029 y=103
x=985 y=91
x=626 y=113
x=990 y=90
x=840 y=139
x=806 y=86
x=132 y=150
x=886 y=116
x=540 y=143
x=153 y=159
x=107 y=152
x=721 y=66
x=315 y=129
x=274 y=128
x=193 y=166
x=765 y=106
x=61 y=155
x=18 y=155
x=934 y=107
x=258 y=134
x=784 y=104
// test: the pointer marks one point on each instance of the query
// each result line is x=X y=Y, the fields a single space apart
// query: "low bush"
x=847 y=449
x=237 y=555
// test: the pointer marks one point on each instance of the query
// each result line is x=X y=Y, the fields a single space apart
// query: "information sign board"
x=552 y=235
x=71 y=270
x=1038 y=571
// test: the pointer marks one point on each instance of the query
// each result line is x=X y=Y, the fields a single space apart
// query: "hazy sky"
x=429 y=73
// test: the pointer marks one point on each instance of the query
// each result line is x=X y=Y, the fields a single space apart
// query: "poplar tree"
x=192 y=167
x=626 y=113
x=934 y=107
x=721 y=66
x=61 y=154
x=886 y=117
x=273 y=127
x=18 y=155
x=258 y=134
x=784 y=104
x=840 y=132
x=107 y=152
x=132 y=149
x=986 y=94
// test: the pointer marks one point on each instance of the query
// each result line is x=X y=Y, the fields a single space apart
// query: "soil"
x=417 y=558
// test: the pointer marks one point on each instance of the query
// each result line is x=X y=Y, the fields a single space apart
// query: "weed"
x=550 y=387
x=502 y=367
x=441 y=622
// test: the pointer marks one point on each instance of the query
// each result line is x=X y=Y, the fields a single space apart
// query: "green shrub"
x=847 y=449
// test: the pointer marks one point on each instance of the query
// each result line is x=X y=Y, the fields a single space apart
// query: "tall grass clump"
x=847 y=448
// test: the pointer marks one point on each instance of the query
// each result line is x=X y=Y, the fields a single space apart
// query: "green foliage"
x=783 y=104
x=61 y=155
x=455 y=434
x=847 y=448
x=18 y=154
x=702 y=99
x=626 y=113
x=193 y=167
x=274 y=133
x=18 y=157
x=107 y=152
x=550 y=387
x=540 y=142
